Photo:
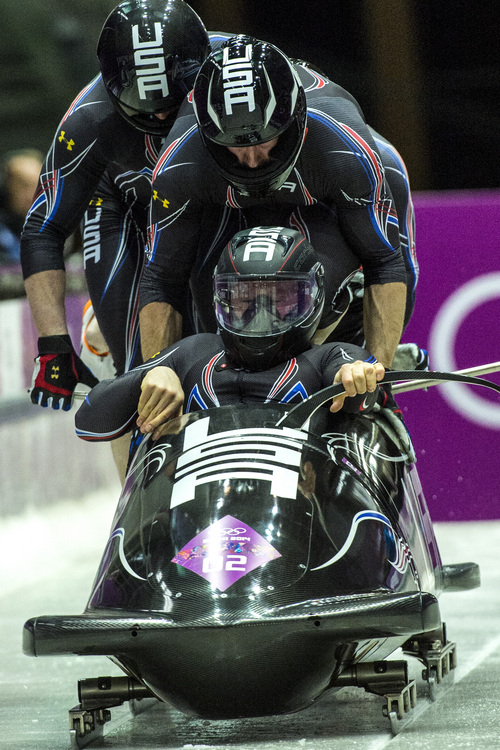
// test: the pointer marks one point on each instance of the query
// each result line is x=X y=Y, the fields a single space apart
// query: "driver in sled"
x=268 y=299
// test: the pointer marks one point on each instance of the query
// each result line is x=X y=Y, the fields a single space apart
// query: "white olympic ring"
x=442 y=340
x=228 y=530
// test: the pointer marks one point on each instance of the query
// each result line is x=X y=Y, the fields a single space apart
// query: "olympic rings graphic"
x=447 y=322
x=228 y=530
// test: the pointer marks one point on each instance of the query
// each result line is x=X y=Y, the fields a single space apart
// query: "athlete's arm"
x=161 y=399
x=181 y=188
x=368 y=219
x=383 y=317
x=372 y=232
x=59 y=204
x=68 y=179
x=46 y=291
x=161 y=326
x=111 y=408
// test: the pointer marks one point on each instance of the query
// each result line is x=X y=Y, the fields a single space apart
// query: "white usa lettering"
x=259 y=246
x=150 y=54
x=237 y=75
x=92 y=238
x=262 y=244
x=208 y=459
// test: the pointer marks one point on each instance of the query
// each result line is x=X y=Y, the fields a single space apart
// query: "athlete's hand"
x=161 y=399
x=58 y=369
x=357 y=378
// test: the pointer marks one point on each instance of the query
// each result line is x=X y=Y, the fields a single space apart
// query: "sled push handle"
x=414 y=379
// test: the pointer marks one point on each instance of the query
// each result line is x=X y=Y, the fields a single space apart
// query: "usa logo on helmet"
x=237 y=75
x=150 y=54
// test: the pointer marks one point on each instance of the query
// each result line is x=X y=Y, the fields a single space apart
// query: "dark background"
x=426 y=72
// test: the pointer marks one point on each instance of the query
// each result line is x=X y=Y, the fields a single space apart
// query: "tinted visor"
x=261 y=307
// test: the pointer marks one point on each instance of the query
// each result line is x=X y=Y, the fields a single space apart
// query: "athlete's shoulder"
x=312 y=357
x=322 y=355
x=194 y=351
x=200 y=345
x=204 y=340
x=93 y=129
x=90 y=106
x=183 y=150
x=323 y=94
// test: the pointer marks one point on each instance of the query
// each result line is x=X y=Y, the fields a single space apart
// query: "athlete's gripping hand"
x=358 y=378
x=57 y=371
x=162 y=399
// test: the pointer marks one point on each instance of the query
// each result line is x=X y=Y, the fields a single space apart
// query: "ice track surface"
x=48 y=562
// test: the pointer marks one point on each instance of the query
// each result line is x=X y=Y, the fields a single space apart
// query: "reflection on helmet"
x=268 y=294
x=150 y=52
x=248 y=93
x=264 y=306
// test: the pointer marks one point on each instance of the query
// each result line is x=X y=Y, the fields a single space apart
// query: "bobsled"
x=261 y=555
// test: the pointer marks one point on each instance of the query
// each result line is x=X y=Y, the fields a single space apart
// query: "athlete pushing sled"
x=295 y=538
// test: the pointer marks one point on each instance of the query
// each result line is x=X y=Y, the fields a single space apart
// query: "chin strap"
x=297 y=416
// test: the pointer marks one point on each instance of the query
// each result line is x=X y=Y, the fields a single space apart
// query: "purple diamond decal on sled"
x=225 y=551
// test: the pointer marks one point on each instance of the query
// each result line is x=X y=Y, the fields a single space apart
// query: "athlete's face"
x=254 y=156
x=278 y=299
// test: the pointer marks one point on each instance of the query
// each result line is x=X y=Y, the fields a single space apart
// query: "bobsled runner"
x=259 y=556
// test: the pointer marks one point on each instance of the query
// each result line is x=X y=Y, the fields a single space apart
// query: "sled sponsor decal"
x=399 y=548
x=225 y=551
x=265 y=454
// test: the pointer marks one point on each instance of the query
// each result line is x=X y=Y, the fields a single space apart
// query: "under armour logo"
x=55 y=372
x=164 y=202
x=69 y=143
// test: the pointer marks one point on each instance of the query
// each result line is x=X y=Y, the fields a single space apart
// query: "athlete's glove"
x=57 y=371
x=387 y=400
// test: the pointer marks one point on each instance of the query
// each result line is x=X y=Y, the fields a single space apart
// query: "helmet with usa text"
x=268 y=296
x=150 y=52
x=246 y=94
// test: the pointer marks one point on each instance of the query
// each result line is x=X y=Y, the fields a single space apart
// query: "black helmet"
x=268 y=296
x=150 y=52
x=248 y=93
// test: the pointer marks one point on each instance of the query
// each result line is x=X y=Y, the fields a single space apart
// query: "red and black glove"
x=57 y=371
x=387 y=400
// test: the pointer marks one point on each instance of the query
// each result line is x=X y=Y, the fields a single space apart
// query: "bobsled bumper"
x=349 y=618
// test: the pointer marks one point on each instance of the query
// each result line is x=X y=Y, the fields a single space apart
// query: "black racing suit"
x=98 y=171
x=209 y=379
x=348 y=194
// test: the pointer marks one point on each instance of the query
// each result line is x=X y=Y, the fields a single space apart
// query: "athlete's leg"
x=113 y=242
x=94 y=351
